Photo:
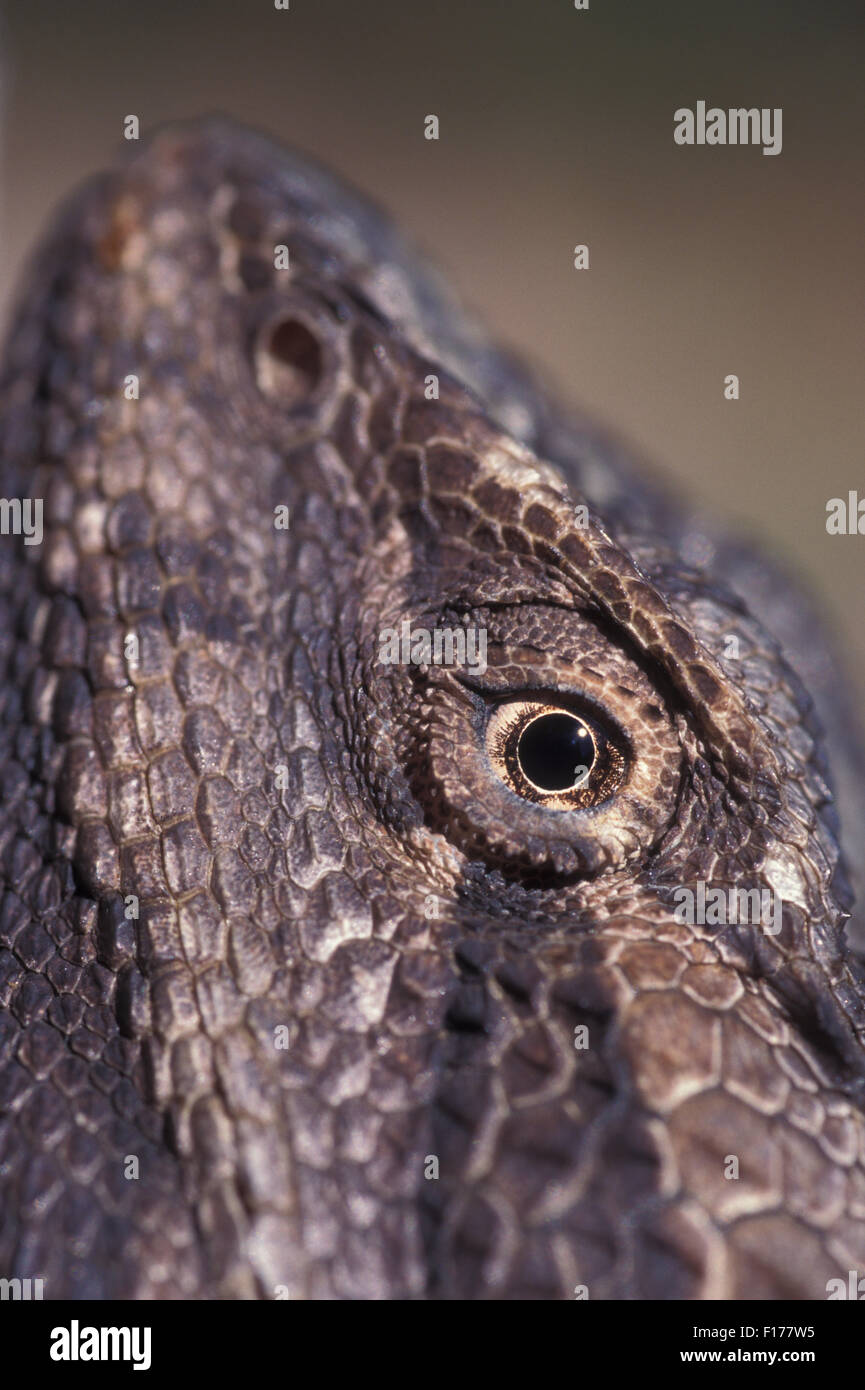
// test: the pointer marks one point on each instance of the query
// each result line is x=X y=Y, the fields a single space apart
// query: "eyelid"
x=569 y=695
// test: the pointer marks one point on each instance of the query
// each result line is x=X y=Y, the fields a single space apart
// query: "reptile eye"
x=291 y=356
x=553 y=756
x=294 y=347
x=294 y=359
x=559 y=758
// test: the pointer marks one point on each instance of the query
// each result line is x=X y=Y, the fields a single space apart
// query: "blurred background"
x=556 y=128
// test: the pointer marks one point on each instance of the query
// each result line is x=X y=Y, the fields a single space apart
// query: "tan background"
x=556 y=128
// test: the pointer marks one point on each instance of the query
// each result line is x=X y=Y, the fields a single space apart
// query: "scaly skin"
x=320 y=842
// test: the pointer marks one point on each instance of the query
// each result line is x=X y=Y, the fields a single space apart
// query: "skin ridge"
x=432 y=946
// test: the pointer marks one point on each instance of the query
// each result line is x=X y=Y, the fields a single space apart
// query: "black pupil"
x=553 y=749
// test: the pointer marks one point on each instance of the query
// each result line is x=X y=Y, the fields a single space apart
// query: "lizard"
x=325 y=975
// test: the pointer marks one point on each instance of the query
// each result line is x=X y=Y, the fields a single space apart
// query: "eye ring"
x=295 y=352
x=289 y=360
x=547 y=746
x=553 y=755
x=454 y=740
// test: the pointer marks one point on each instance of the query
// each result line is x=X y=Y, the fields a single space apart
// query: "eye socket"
x=492 y=772
x=292 y=356
x=289 y=361
x=553 y=756
x=294 y=347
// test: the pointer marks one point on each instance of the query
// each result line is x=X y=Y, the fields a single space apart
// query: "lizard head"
x=433 y=733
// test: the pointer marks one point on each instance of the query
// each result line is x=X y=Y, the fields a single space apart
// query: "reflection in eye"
x=554 y=750
x=554 y=756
